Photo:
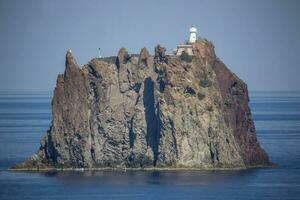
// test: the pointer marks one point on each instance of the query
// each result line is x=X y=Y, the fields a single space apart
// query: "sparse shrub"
x=186 y=57
x=210 y=109
x=205 y=83
x=188 y=95
x=189 y=92
x=228 y=102
x=200 y=96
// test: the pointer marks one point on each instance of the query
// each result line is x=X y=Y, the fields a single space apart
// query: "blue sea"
x=25 y=117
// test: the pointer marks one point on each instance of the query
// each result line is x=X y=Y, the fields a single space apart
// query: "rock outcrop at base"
x=150 y=111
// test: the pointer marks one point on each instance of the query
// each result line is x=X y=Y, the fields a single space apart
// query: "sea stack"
x=144 y=111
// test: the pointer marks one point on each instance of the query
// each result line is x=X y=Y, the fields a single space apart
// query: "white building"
x=188 y=47
x=193 y=37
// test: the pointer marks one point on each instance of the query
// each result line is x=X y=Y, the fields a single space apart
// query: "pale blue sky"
x=258 y=40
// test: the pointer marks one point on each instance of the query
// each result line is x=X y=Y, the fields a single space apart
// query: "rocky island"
x=150 y=112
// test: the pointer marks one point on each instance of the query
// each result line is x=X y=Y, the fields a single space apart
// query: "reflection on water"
x=150 y=177
x=24 y=118
x=126 y=185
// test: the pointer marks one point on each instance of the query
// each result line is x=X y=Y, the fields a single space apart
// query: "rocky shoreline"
x=50 y=169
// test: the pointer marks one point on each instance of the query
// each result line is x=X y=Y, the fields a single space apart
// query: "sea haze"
x=25 y=117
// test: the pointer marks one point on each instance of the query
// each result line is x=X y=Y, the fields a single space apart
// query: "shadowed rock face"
x=235 y=97
x=150 y=112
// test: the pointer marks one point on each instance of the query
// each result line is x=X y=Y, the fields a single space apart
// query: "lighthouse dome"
x=193 y=29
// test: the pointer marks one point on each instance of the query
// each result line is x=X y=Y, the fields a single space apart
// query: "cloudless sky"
x=259 y=40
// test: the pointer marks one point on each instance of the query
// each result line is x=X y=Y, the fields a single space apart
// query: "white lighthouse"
x=193 y=37
x=188 y=46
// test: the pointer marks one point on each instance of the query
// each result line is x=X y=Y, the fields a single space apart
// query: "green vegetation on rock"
x=186 y=57
x=188 y=95
x=200 y=96
x=205 y=83
x=210 y=109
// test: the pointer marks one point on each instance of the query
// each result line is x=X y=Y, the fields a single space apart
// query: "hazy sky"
x=258 y=40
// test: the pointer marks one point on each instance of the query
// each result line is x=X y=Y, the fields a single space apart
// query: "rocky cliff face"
x=150 y=111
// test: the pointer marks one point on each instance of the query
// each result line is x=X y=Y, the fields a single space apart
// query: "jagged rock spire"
x=123 y=57
x=70 y=59
x=71 y=64
x=160 y=54
x=143 y=58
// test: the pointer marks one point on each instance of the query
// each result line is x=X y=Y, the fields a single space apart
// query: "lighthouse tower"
x=193 y=37
x=188 y=46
